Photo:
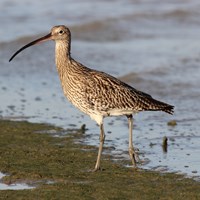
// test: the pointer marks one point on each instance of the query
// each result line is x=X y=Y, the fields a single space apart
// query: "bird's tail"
x=155 y=105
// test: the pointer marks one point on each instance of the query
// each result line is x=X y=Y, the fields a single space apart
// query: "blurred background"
x=150 y=44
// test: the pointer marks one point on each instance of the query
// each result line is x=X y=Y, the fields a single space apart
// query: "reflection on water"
x=151 y=45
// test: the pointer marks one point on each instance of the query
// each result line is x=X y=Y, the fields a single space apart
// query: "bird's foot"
x=96 y=169
x=133 y=153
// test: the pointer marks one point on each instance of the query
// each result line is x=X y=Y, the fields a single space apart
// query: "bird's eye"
x=61 y=32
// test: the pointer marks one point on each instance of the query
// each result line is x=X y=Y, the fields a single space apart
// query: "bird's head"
x=58 y=33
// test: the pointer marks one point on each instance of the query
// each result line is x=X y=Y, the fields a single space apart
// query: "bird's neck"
x=62 y=54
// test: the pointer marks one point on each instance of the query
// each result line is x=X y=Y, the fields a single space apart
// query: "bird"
x=97 y=93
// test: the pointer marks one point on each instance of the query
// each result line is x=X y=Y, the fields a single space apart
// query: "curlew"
x=96 y=93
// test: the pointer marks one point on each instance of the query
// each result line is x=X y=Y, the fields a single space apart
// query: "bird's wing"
x=107 y=92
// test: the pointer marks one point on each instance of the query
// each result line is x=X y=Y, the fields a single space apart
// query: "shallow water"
x=17 y=186
x=151 y=45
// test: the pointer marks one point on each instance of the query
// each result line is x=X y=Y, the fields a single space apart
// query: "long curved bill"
x=42 y=39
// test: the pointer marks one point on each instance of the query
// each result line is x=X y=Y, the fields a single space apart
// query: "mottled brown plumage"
x=96 y=93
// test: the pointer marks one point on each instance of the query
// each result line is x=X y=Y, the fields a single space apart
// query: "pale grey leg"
x=133 y=155
x=101 y=138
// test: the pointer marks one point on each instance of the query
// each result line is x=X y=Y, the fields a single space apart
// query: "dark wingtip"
x=169 y=109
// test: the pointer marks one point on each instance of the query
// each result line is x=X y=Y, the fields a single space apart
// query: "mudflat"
x=51 y=160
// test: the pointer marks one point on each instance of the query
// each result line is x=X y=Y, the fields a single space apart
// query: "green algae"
x=172 y=123
x=28 y=153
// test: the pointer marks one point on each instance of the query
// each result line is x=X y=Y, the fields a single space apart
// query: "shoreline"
x=56 y=166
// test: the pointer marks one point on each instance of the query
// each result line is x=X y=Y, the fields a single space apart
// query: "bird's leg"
x=132 y=153
x=101 y=138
